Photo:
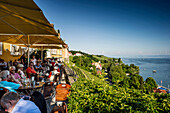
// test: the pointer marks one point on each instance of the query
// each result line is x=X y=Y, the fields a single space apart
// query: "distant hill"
x=74 y=52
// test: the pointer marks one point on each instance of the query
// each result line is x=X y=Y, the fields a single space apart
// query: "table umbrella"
x=22 y=22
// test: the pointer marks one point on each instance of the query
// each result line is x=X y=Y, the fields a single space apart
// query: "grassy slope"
x=90 y=76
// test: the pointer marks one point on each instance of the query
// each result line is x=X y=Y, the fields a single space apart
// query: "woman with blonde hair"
x=13 y=77
x=20 y=68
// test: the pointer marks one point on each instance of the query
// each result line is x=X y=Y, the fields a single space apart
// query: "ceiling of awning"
x=23 y=17
x=20 y=19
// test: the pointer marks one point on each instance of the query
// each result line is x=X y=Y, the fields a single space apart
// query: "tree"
x=135 y=82
x=120 y=60
x=125 y=83
x=141 y=83
x=132 y=65
x=117 y=73
x=150 y=81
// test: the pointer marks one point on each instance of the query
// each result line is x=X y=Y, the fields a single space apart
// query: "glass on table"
x=38 y=72
x=33 y=83
x=41 y=73
x=37 y=83
x=32 y=78
x=44 y=72
x=47 y=74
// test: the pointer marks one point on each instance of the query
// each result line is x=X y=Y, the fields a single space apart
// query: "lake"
x=160 y=63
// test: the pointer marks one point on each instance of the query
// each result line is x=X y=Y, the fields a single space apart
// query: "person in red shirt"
x=53 y=62
x=54 y=74
x=30 y=70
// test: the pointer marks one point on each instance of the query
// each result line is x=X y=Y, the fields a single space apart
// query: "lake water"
x=160 y=63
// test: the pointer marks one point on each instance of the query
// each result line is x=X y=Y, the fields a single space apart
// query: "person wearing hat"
x=20 y=68
x=54 y=74
x=13 y=76
x=11 y=86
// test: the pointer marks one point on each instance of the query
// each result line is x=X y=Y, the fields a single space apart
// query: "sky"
x=112 y=27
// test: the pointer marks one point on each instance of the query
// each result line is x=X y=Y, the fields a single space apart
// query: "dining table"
x=28 y=88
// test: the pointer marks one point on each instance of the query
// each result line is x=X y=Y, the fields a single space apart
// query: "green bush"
x=89 y=96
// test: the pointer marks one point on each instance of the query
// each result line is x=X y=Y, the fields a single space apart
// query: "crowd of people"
x=13 y=75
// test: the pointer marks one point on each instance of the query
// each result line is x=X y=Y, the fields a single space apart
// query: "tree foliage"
x=89 y=96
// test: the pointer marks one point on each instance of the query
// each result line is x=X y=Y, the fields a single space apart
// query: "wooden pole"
x=28 y=49
x=42 y=54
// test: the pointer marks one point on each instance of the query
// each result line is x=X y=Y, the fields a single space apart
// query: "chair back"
x=60 y=109
x=61 y=94
x=62 y=90
x=57 y=109
x=65 y=107
x=39 y=100
x=3 y=91
x=48 y=89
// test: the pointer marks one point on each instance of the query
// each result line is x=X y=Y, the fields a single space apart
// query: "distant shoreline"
x=148 y=64
x=139 y=56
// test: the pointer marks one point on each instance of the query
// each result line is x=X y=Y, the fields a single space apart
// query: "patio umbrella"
x=23 y=17
x=22 y=22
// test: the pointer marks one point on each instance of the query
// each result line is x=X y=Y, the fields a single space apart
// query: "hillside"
x=128 y=92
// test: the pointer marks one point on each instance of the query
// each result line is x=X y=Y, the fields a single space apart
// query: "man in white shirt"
x=3 y=64
x=34 y=60
x=13 y=104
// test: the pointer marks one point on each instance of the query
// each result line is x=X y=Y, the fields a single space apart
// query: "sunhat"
x=20 y=65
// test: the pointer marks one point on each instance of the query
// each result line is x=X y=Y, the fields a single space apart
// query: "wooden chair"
x=39 y=100
x=62 y=90
x=57 y=109
x=49 y=94
x=60 y=109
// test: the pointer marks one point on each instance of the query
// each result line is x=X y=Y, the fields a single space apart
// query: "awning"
x=20 y=39
x=22 y=22
x=22 y=18
x=43 y=46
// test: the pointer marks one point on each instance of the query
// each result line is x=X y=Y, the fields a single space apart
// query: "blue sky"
x=112 y=27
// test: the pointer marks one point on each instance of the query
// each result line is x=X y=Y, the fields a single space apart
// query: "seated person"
x=59 y=64
x=46 y=67
x=15 y=63
x=13 y=77
x=8 y=85
x=57 y=67
x=39 y=60
x=14 y=104
x=53 y=62
x=3 y=64
x=10 y=63
x=34 y=60
x=30 y=70
x=20 y=71
x=53 y=74
x=38 y=66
